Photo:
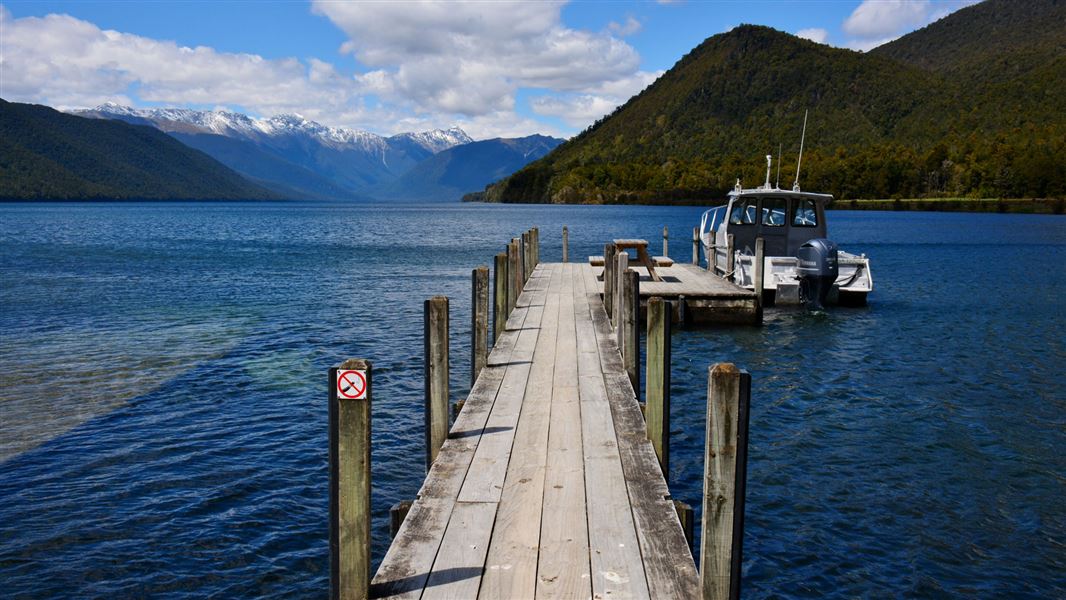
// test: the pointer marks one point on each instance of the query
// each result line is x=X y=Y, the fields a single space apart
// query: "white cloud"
x=631 y=26
x=816 y=35
x=877 y=22
x=472 y=57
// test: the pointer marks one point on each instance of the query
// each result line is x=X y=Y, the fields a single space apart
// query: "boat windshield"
x=806 y=214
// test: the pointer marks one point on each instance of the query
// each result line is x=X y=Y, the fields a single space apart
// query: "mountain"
x=449 y=174
x=290 y=152
x=49 y=155
x=927 y=115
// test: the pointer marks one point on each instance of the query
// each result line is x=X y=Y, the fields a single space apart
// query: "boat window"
x=773 y=211
x=743 y=212
x=806 y=214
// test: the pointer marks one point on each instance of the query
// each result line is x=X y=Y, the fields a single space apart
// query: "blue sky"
x=493 y=68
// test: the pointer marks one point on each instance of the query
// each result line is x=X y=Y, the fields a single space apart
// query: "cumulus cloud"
x=816 y=35
x=631 y=26
x=876 y=22
x=581 y=110
x=472 y=57
x=67 y=62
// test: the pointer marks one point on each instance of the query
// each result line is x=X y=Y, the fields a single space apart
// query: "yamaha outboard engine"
x=817 y=271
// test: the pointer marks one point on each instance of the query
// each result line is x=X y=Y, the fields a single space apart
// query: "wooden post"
x=566 y=245
x=724 y=478
x=608 y=278
x=436 y=334
x=479 y=321
x=666 y=241
x=760 y=259
x=629 y=327
x=500 y=297
x=657 y=381
x=519 y=283
x=349 y=479
x=536 y=247
x=682 y=311
x=621 y=265
x=512 y=277
x=398 y=512
x=523 y=253
x=687 y=517
x=696 y=246
x=729 y=259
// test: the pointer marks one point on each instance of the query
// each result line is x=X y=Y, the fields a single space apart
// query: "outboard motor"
x=817 y=271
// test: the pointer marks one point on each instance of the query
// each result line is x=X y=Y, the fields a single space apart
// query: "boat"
x=800 y=264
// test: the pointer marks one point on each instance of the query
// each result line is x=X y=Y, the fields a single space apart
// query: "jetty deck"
x=699 y=296
x=547 y=486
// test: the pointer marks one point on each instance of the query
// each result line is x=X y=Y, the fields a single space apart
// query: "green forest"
x=968 y=107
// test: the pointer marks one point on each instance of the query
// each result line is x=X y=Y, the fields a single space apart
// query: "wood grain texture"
x=436 y=375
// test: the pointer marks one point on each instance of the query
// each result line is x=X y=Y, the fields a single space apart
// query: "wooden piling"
x=730 y=260
x=630 y=327
x=524 y=255
x=682 y=311
x=500 y=296
x=397 y=513
x=724 y=478
x=759 y=275
x=696 y=246
x=566 y=245
x=621 y=265
x=666 y=241
x=349 y=480
x=436 y=361
x=536 y=247
x=687 y=516
x=609 y=278
x=516 y=272
x=657 y=381
x=479 y=321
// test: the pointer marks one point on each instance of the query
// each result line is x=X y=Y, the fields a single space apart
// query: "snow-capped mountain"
x=237 y=125
x=301 y=158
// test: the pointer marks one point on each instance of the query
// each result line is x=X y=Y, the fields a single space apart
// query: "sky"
x=493 y=68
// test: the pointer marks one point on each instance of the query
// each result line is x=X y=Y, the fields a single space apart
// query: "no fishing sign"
x=351 y=385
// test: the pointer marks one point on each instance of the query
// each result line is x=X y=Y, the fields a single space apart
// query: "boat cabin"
x=784 y=219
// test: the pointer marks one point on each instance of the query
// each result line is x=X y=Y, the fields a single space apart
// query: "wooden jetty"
x=550 y=483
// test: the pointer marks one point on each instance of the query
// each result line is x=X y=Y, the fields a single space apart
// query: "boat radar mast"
x=799 y=161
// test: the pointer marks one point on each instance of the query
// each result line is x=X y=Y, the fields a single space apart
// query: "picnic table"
x=641 y=246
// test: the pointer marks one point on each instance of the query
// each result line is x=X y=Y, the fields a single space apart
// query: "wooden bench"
x=641 y=246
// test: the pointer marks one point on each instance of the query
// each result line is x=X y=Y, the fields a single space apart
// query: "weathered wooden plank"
x=405 y=569
x=668 y=562
x=461 y=559
x=511 y=566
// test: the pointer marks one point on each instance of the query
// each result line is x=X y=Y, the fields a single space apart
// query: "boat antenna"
x=799 y=161
x=777 y=184
x=769 y=159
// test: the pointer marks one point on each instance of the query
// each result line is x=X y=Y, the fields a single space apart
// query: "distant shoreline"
x=1055 y=206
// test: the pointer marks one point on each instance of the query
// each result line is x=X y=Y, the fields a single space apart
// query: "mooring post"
x=724 y=478
x=519 y=283
x=436 y=334
x=479 y=321
x=512 y=279
x=666 y=241
x=608 y=279
x=621 y=265
x=397 y=513
x=760 y=259
x=566 y=245
x=657 y=381
x=536 y=247
x=499 y=304
x=730 y=260
x=682 y=311
x=630 y=328
x=696 y=246
x=349 y=479
x=524 y=254
x=687 y=516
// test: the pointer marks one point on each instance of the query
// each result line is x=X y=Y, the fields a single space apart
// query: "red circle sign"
x=351 y=384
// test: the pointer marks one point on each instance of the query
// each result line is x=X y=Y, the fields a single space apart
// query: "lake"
x=163 y=394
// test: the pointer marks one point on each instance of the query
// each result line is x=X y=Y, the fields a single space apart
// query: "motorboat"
x=800 y=264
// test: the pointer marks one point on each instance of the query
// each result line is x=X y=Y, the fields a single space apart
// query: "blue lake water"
x=163 y=394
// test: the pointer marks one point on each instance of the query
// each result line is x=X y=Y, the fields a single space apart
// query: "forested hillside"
x=49 y=155
x=963 y=107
